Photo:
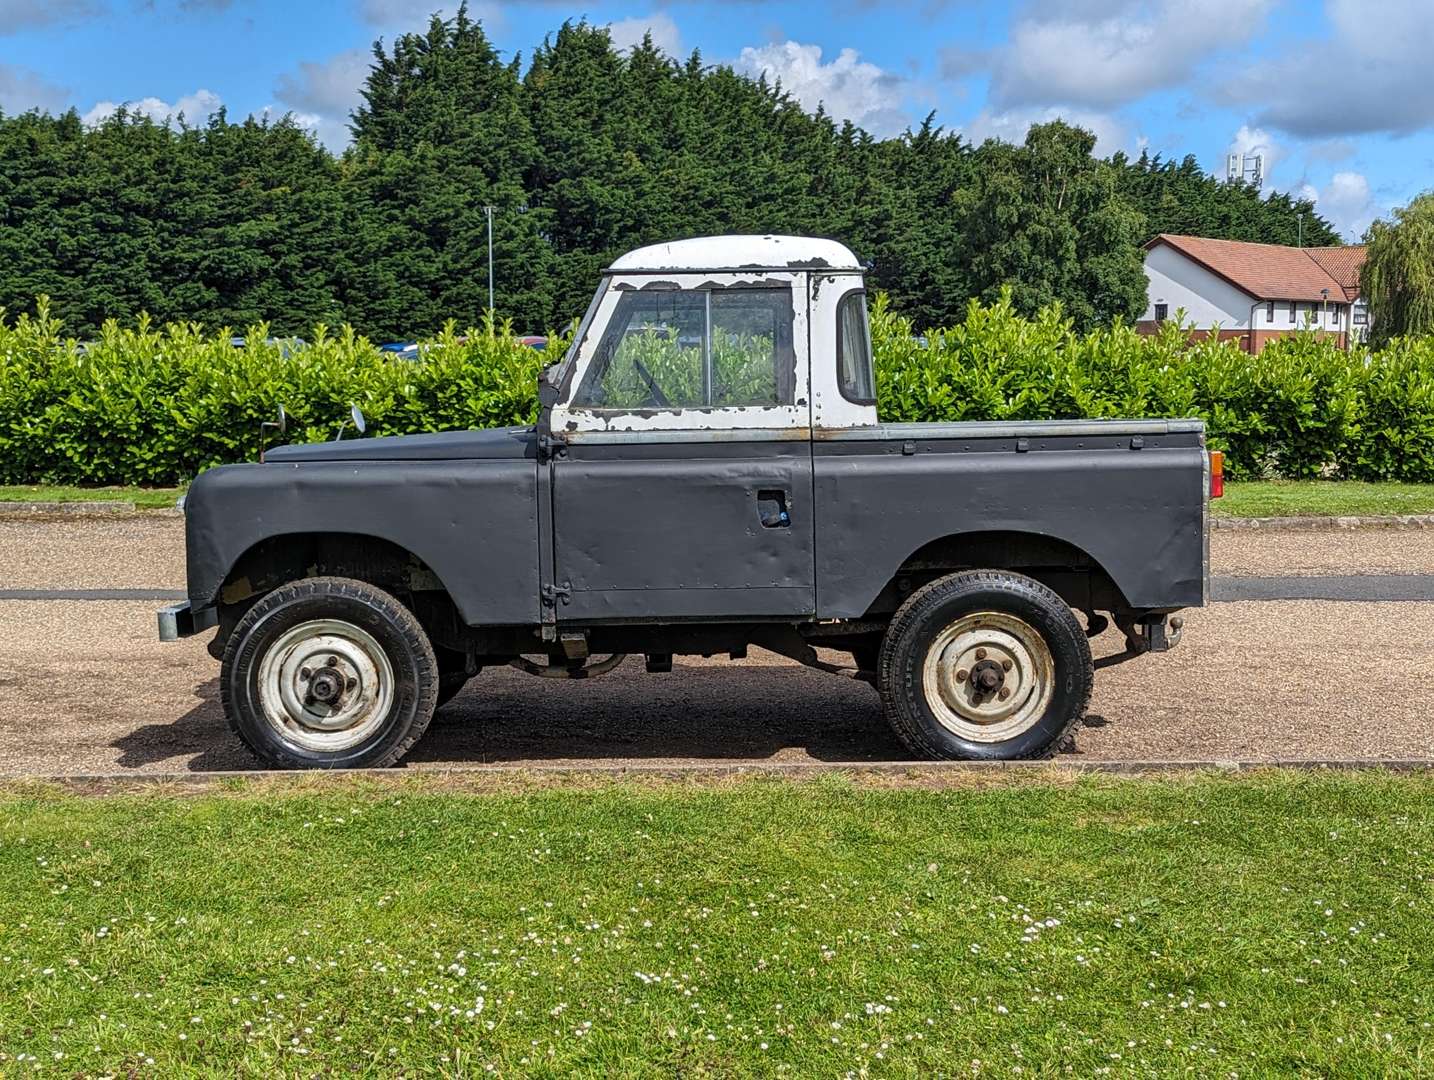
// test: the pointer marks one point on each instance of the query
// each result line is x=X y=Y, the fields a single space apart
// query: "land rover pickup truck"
x=707 y=473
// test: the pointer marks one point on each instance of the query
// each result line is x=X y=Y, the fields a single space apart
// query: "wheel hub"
x=988 y=676
x=326 y=685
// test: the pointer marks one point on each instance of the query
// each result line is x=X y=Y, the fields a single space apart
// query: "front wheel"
x=985 y=665
x=329 y=673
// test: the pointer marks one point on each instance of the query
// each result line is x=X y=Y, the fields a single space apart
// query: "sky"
x=1336 y=94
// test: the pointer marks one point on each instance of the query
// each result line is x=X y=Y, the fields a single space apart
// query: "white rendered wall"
x=1178 y=282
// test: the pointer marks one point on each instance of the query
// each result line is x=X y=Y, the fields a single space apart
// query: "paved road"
x=1361 y=588
x=148 y=553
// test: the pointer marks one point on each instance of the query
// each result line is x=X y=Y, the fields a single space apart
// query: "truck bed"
x=1131 y=495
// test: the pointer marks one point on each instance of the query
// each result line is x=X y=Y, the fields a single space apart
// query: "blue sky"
x=1337 y=94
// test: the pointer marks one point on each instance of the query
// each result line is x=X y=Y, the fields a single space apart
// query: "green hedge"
x=156 y=406
x=145 y=405
x=1301 y=408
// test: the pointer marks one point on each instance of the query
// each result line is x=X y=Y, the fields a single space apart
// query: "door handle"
x=772 y=509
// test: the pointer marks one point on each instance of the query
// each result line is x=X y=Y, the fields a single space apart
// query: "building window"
x=1270 y=311
x=1294 y=313
x=1162 y=312
x=1361 y=315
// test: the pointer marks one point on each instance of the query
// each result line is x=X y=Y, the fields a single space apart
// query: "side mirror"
x=280 y=425
x=356 y=418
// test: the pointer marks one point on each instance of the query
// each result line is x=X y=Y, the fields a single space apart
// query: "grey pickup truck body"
x=708 y=472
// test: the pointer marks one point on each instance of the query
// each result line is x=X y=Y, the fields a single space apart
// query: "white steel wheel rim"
x=961 y=657
x=325 y=685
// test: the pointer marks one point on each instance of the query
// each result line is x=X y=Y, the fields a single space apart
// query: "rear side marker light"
x=1217 y=474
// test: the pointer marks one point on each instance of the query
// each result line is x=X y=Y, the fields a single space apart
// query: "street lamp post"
x=489 y=211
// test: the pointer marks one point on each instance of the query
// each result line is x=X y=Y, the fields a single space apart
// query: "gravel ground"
x=85 y=688
x=138 y=552
x=148 y=553
x=1341 y=551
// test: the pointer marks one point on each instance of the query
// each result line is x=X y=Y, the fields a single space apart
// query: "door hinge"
x=552 y=444
x=553 y=594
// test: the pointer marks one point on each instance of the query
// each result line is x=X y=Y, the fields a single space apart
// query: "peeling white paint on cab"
x=739 y=252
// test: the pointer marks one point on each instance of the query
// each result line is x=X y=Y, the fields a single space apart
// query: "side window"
x=753 y=362
x=854 y=375
x=682 y=349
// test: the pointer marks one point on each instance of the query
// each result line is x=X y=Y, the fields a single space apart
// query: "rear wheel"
x=985 y=665
x=329 y=673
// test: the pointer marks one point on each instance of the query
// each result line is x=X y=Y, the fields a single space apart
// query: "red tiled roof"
x=1343 y=264
x=1273 y=271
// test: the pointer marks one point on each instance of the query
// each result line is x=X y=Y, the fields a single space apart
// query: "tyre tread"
x=913 y=611
x=382 y=604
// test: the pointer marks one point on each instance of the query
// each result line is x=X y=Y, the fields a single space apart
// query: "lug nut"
x=980 y=654
x=962 y=674
x=305 y=674
x=351 y=683
x=1005 y=665
x=1004 y=693
x=333 y=661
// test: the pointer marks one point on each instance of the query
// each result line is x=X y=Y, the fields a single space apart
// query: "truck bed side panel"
x=472 y=522
x=1138 y=512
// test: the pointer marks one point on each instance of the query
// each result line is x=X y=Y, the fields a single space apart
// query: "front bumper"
x=181 y=621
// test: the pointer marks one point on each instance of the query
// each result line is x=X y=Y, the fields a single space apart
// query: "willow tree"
x=1398 y=276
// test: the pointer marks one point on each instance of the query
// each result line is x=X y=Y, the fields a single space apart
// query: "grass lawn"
x=1323 y=498
x=1252 y=925
x=143 y=498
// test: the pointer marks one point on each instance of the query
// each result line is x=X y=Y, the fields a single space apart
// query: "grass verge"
x=1267 y=924
x=143 y=498
x=1323 y=498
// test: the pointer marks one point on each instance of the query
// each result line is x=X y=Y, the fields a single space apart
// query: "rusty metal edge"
x=703 y=770
x=1315 y=524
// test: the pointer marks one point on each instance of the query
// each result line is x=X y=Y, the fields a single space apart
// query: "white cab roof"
x=740 y=253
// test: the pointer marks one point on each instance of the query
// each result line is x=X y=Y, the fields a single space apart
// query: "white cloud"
x=18 y=15
x=413 y=15
x=322 y=93
x=22 y=89
x=1370 y=74
x=849 y=87
x=1011 y=125
x=327 y=86
x=1346 y=201
x=1107 y=53
x=627 y=33
x=195 y=107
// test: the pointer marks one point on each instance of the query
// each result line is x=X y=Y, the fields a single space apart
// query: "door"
x=685 y=487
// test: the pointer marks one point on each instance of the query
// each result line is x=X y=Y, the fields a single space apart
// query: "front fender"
x=472 y=522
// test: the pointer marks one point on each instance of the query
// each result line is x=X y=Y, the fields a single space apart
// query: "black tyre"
x=328 y=673
x=985 y=665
